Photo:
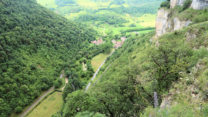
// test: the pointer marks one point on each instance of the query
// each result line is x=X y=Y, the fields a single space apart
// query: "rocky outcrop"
x=190 y=36
x=162 y=22
x=174 y=3
x=179 y=24
x=165 y=24
x=166 y=102
x=199 y=4
x=196 y=4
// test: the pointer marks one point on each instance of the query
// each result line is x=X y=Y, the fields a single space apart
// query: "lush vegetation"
x=165 y=4
x=107 y=16
x=176 y=70
x=187 y=96
x=117 y=91
x=138 y=69
x=102 y=18
x=35 y=46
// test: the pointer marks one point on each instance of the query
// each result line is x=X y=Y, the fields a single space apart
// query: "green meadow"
x=47 y=3
x=49 y=106
x=98 y=60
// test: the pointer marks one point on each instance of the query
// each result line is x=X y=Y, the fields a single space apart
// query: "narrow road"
x=95 y=74
x=37 y=101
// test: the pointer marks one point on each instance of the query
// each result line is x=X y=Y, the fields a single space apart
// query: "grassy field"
x=147 y=20
x=49 y=106
x=47 y=3
x=79 y=8
x=92 y=5
x=98 y=60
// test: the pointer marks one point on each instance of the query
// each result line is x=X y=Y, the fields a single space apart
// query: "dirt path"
x=66 y=82
x=37 y=102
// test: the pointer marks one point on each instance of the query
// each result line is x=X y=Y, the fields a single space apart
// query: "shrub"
x=205 y=111
x=57 y=83
x=187 y=4
x=165 y=4
x=18 y=109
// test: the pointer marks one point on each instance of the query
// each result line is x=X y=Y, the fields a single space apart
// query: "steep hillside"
x=35 y=46
x=174 y=67
x=187 y=96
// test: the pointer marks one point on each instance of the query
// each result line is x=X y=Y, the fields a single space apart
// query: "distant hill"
x=107 y=16
x=35 y=46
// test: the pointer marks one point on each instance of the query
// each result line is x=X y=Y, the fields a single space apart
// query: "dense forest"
x=35 y=46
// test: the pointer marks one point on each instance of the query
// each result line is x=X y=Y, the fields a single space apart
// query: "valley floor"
x=49 y=106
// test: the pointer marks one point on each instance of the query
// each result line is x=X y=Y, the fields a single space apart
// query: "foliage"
x=117 y=94
x=137 y=30
x=89 y=114
x=139 y=68
x=177 y=110
x=169 y=59
x=165 y=4
x=195 y=16
x=35 y=46
x=57 y=83
x=187 y=4
x=102 y=18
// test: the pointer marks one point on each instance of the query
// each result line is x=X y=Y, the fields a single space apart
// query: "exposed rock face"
x=161 y=22
x=174 y=3
x=190 y=36
x=199 y=4
x=196 y=4
x=165 y=24
x=180 y=24
x=166 y=102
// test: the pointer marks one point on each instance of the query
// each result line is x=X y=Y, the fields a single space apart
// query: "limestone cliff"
x=174 y=3
x=162 y=22
x=177 y=24
x=166 y=23
x=196 y=4
x=199 y=4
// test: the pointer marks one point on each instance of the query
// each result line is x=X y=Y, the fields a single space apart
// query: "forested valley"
x=104 y=58
x=35 y=46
